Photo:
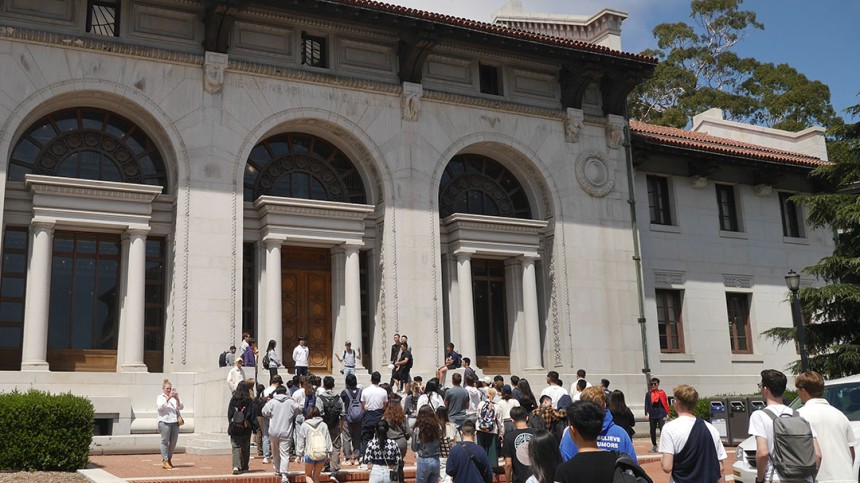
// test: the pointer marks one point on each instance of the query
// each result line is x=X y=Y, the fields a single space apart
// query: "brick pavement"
x=198 y=468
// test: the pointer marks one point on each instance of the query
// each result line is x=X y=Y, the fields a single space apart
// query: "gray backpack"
x=793 y=453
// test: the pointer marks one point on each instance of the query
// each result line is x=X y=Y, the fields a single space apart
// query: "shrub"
x=45 y=432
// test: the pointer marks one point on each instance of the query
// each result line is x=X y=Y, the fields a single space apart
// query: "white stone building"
x=179 y=171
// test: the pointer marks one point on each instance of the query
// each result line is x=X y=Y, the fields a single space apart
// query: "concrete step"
x=208 y=444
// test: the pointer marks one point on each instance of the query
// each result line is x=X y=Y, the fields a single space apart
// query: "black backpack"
x=222 y=359
x=627 y=471
x=238 y=419
x=332 y=409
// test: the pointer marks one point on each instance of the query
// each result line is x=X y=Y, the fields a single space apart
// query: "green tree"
x=833 y=337
x=699 y=70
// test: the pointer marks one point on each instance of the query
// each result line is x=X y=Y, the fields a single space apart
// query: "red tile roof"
x=682 y=138
x=494 y=29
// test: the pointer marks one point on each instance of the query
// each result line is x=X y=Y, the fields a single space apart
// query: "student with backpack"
x=786 y=445
x=313 y=444
x=353 y=420
x=489 y=426
x=241 y=422
x=691 y=447
x=281 y=411
x=331 y=409
x=227 y=357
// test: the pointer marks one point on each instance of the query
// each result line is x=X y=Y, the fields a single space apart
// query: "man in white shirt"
x=691 y=447
x=300 y=357
x=554 y=389
x=574 y=391
x=772 y=387
x=835 y=436
x=235 y=375
x=373 y=401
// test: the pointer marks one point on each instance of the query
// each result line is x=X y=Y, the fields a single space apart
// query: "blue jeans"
x=348 y=370
x=169 y=436
x=301 y=370
x=267 y=450
x=427 y=470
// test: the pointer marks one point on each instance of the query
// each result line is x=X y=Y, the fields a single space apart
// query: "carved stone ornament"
x=410 y=101
x=594 y=174
x=572 y=124
x=213 y=72
x=763 y=190
x=614 y=131
x=668 y=278
x=698 y=182
x=737 y=281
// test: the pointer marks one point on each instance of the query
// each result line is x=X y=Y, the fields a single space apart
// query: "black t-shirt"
x=587 y=467
x=516 y=447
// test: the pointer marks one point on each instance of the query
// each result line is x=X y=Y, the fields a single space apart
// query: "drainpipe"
x=637 y=255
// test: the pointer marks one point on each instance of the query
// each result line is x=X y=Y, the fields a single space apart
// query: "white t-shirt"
x=505 y=406
x=675 y=433
x=475 y=397
x=574 y=392
x=374 y=398
x=555 y=392
x=762 y=425
x=300 y=355
x=836 y=437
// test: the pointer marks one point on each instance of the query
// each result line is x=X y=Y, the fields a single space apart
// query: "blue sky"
x=819 y=39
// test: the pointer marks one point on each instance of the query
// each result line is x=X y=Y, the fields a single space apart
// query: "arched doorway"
x=310 y=199
x=86 y=246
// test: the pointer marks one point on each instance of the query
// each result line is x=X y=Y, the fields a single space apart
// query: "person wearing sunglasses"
x=656 y=410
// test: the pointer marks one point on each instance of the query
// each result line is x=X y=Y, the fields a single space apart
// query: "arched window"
x=88 y=143
x=298 y=165
x=478 y=185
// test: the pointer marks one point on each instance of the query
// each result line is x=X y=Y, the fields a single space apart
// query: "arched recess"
x=147 y=128
x=493 y=255
x=350 y=163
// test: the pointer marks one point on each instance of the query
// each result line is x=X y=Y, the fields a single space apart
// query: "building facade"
x=178 y=171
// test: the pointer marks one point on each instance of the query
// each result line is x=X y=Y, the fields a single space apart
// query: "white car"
x=843 y=394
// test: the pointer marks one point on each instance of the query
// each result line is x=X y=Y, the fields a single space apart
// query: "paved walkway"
x=197 y=468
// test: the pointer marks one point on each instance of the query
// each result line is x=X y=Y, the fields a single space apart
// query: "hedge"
x=45 y=432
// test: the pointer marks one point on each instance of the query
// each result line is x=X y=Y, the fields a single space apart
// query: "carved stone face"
x=213 y=78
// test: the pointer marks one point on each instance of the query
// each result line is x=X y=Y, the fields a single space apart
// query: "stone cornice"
x=99 y=45
x=326 y=209
x=313 y=77
x=492 y=104
x=314 y=23
x=84 y=188
x=493 y=223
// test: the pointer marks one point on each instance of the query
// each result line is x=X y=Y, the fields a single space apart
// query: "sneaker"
x=166 y=465
x=362 y=467
x=654 y=449
x=285 y=479
x=235 y=471
x=266 y=461
x=333 y=477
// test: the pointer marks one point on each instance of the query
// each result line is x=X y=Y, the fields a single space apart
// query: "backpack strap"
x=481 y=467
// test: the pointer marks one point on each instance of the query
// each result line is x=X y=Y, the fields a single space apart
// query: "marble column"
x=134 y=301
x=37 y=301
x=272 y=327
x=467 y=313
x=352 y=298
x=530 y=314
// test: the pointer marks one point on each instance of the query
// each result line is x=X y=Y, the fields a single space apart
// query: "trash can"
x=739 y=420
x=754 y=404
x=719 y=418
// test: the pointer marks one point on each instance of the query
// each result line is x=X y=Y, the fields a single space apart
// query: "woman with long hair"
x=274 y=360
x=313 y=423
x=621 y=414
x=382 y=455
x=351 y=435
x=241 y=426
x=410 y=403
x=168 y=405
x=544 y=457
x=450 y=435
x=398 y=429
x=426 y=441
x=431 y=396
x=529 y=402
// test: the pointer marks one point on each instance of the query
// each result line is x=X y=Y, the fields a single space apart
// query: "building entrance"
x=306 y=304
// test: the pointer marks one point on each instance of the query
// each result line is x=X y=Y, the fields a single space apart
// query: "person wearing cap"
x=349 y=358
x=507 y=402
x=300 y=357
x=235 y=375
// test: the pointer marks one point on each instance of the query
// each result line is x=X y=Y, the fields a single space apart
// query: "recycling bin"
x=754 y=404
x=720 y=418
x=739 y=420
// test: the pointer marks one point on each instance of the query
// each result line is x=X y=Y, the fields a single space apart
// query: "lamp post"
x=792 y=281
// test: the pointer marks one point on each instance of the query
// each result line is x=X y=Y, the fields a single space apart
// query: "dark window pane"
x=25 y=151
x=44 y=133
x=13 y=287
x=86 y=244
x=83 y=304
x=16 y=239
x=61 y=302
x=14 y=262
x=11 y=312
x=300 y=144
x=10 y=336
x=153 y=294
x=154 y=270
x=109 y=247
x=317 y=190
x=300 y=185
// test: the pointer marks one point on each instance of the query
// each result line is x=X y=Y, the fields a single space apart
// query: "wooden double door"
x=306 y=305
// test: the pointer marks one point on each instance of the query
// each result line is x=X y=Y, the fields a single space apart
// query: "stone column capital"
x=42 y=226
x=272 y=242
x=134 y=233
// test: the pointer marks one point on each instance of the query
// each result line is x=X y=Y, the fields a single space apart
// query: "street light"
x=792 y=281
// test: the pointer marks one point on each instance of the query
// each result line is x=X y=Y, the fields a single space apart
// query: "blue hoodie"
x=612 y=438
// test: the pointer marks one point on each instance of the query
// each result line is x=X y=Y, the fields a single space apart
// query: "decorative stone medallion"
x=594 y=174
